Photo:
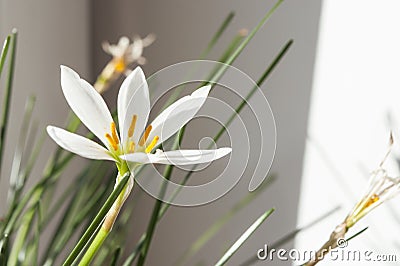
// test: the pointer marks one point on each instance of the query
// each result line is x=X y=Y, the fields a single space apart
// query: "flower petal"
x=178 y=114
x=133 y=99
x=78 y=144
x=86 y=103
x=178 y=157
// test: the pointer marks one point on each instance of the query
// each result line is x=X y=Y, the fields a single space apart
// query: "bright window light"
x=356 y=93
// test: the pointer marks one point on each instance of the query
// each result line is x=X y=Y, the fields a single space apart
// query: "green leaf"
x=218 y=34
x=115 y=258
x=174 y=96
x=244 y=237
x=222 y=221
x=97 y=221
x=169 y=168
x=85 y=192
x=4 y=52
x=289 y=236
x=7 y=94
x=22 y=235
x=238 y=109
x=16 y=183
x=4 y=250
x=239 y=49
x=157 y=206
x=356 y=234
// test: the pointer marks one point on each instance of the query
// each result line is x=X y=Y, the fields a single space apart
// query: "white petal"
x=178 y=157
x=175 y=116
x=133 y=99
x=123 y=42
x=86 y=103
x=78 y=144
x=106 y=47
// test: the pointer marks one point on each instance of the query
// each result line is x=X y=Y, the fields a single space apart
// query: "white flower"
x=126 y=52
x=135 y=141
x=123 y=55
x=381 y=188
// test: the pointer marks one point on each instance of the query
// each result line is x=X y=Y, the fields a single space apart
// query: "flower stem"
x=94 y=247
x=106 y=226
x=98 y=219
x=337 y=234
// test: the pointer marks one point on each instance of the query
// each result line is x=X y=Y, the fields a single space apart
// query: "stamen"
x=131 y=147
x=374 y=198
x=132 y=126
x=152 y=144
x=119 y=64
x=114 y=133
x=112 y=142
x=145 y=136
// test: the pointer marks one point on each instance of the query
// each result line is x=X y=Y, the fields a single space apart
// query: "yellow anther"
x=131 y=147
x=114 y=133
x=374 y=198
x=152 y=144
x=119 y=64
x=112 y=142
x=132 y=126
x=145 y=136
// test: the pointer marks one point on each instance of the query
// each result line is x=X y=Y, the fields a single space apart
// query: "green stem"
x=7 y=94
x=4 y=52
x=175 y=94
x=157 y=206
x=240 y=48
x=94 y=247
x=97 y=220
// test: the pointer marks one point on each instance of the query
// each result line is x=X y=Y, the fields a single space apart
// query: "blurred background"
x=331 y=119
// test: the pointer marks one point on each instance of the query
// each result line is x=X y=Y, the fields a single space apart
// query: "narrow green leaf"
x=22 y=235
x=244 y=237
x=260 y=81
x=32 y=249
x=131 y=258
x=169 y=168
x=174 y=96
x=15 y=182
x=356 y=234
x=239 y=49
x=289 y=236
x=238 y=109
x=157 y=206
x=222 y=221
x=4 y=52
x=72 y=218
x=218 y=34
x=115 y=258
x=4 y=250
x=7 y=95
x=97 y=221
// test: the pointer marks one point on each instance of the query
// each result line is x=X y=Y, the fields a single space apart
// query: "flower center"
x=374 y=198
x=131 y=145
x=112 y=138
x=119 y=64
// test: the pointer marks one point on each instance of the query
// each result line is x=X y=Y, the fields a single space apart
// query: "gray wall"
x=70 y=32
